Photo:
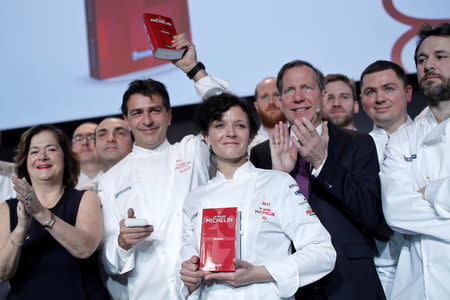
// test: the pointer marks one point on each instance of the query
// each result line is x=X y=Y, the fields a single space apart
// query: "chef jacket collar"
x=241 y=172
x=382 y=131
x=140 y=150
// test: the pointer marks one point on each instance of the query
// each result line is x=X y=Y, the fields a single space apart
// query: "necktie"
x=302 y=177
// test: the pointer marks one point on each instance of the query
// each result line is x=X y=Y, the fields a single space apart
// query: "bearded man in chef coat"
x=415 y=178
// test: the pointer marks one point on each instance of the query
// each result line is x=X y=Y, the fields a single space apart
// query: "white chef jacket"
x=423 y=113
x=381 y=137
x=83 y=179
x=116 y=284
x=154 y=183
x=6 y=186
x=90 y=186
x=417 y=156
x=386 y=262
x=273 y=213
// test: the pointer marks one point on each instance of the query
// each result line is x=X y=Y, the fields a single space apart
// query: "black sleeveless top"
x=46 y=269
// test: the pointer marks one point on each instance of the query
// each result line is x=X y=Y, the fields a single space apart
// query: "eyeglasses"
x=89 y=139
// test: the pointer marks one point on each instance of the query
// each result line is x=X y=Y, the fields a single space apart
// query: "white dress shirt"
x=84 y=179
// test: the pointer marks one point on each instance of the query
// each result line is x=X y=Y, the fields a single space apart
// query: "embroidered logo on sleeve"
x=309 y=211
x=410 y=159
x=297 y=192
x=265 y=210
x=183 y=166
x=122 y=191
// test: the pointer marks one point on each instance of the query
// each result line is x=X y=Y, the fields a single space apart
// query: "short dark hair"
x=71 y=165
x=427 y=30
x=146 y=87
x=341 y=77
x=299 y=63
x=84 y=123
x=383 y=65
x=112 y=118
x=215 y=106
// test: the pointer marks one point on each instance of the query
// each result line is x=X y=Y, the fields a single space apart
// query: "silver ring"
x=27 y=197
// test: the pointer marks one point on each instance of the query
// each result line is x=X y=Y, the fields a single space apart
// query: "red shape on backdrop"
x=117 y=41
x=415 y=23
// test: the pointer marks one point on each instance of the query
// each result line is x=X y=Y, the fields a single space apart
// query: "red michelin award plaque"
x=160 y=31
x=220 y=239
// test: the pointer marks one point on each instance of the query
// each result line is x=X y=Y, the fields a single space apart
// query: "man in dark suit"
x=342 y=182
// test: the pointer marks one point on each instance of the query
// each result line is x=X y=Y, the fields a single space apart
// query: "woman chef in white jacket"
x=273 y=214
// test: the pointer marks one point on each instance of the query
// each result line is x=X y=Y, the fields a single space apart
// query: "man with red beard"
x=268 y=105
x=341 y=106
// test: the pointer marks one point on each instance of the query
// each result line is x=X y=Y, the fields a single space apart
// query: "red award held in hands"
x=220 y=239
x=160 y=31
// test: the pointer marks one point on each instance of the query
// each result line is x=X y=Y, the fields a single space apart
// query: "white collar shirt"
x=83 y=178
x=381 y=138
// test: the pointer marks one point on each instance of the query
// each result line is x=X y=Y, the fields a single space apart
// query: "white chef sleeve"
x=115 y=259
x=315 y=256
x=209 y=86
x=404 y=208
x=438 y=194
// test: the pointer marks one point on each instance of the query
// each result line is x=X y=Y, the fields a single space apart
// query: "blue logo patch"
x=122 y=191
x=410 y=159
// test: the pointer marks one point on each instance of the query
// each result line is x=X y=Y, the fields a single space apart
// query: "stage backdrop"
x=45 y=47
